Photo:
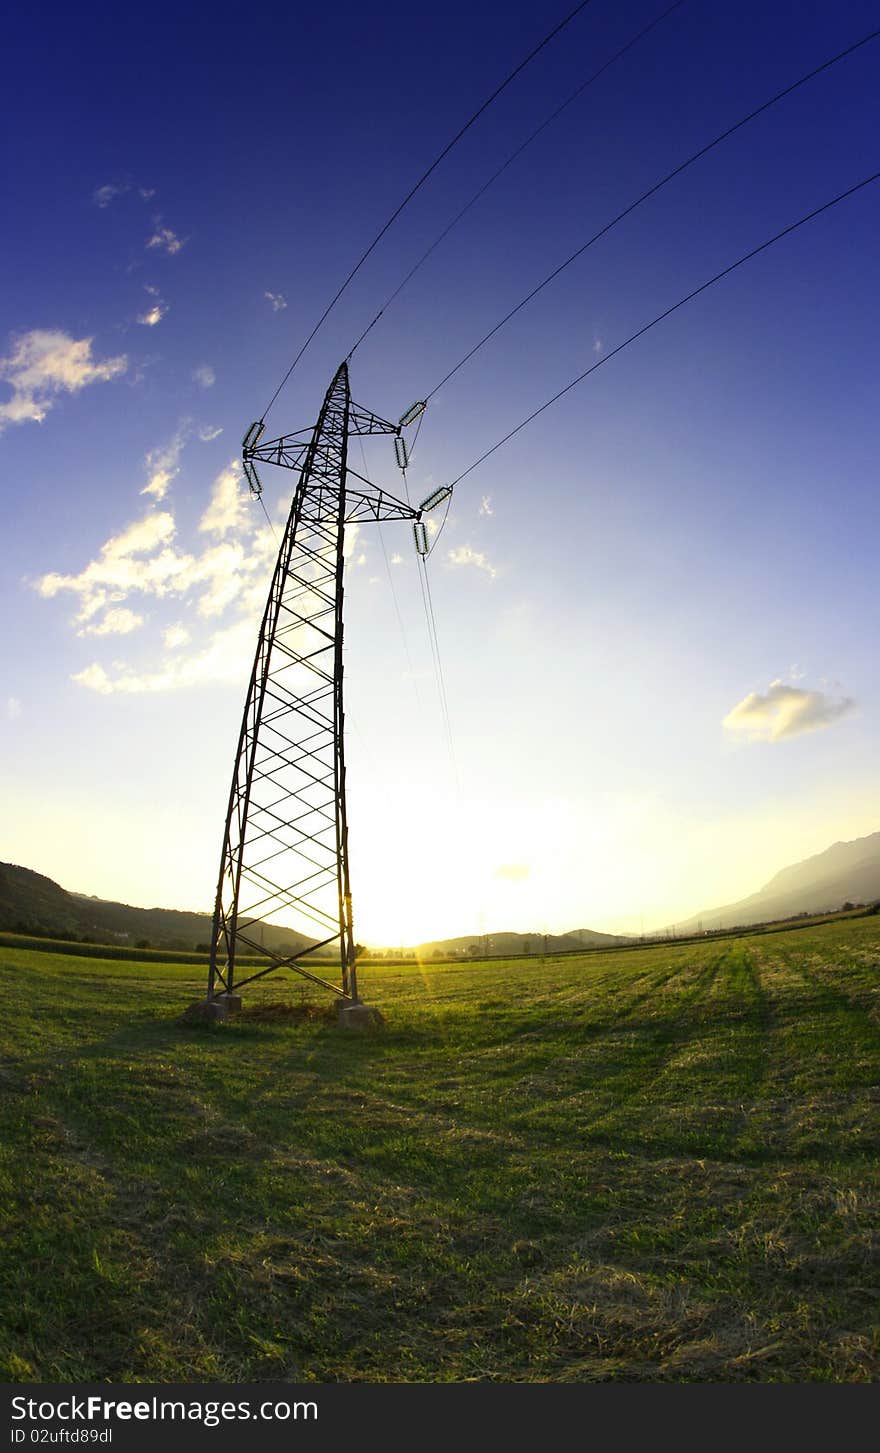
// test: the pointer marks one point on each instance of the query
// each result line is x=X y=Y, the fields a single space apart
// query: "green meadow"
x=657 y=1164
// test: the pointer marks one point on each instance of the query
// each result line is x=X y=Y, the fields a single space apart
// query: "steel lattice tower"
x=284 y=862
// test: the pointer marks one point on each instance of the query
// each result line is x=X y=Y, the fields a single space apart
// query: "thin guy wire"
x=434 y=641
x=817 y=212
x=420 y=183
x=441 y=680
x=512 y=158
x=787 y=91
x=397 y=611
x=271 y=526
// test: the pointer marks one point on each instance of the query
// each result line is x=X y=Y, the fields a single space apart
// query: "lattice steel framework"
x=284 y=863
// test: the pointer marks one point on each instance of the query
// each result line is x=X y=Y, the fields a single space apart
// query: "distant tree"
x=847 y=907
x=143 y=943
x=361 y=951
x=473 y=949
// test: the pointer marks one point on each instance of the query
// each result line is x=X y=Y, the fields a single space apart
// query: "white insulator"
x=400 y=451
x=254 y=435
x=420 y=535
x=412 y=413
x=252 y=478
x=436 y=498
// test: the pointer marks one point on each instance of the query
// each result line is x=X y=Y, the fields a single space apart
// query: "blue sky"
x=656 y=606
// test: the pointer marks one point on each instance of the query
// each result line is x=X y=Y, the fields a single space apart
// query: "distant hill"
x=502 y=945
x=844 y=873
x=32 y=904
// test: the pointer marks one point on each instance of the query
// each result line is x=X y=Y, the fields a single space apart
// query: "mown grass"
x=652 y=1165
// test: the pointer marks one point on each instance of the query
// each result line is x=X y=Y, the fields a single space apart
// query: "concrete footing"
x=206 y=1011
x=358 y=1016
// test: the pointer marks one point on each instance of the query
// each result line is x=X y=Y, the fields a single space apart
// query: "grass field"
x=651 y=1165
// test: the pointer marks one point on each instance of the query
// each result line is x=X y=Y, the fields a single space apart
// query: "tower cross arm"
x=289 y=450
x=375 y=505
x=363 y=421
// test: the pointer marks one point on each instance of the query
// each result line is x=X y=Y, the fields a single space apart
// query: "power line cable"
x=787 y=91
x=512 y=158
x=420 y=183
x=725 y=272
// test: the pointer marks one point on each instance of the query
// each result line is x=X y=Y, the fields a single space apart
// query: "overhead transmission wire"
x=551 y=35
x=618 y=55
x=725 y=272
x=651 y=191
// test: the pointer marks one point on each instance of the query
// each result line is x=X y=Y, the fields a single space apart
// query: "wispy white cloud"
x=176 y=635
x=117 y=622
x=153 y=314
x=228 y=572
x=486 y=505
x=224 y=660
x=140 y=558
x=207 y=432
x=464 y=555
x=103 y=196
x=13 y=707
x=278 y=301
x=784 y=711
x=45 y=363
x=163 y=466
x=204 y=375
x=164 y=239
x=228 y=507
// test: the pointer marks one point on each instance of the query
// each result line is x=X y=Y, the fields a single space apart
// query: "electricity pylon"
x=284 y=891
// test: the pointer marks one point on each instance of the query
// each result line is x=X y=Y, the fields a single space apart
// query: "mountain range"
x=847 y=872
x=844 y=873
x=504 y=945
x=33 y=904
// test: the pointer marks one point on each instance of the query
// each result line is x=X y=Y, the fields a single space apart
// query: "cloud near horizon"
x=784 y=711
x=45 y=363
